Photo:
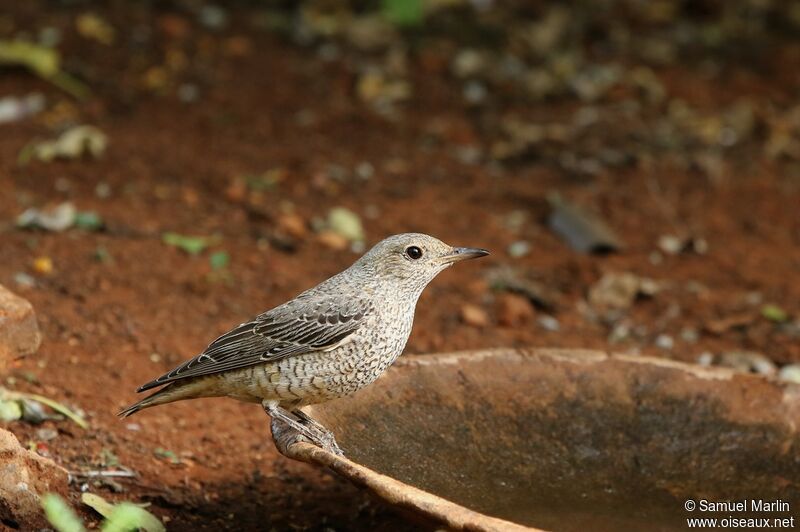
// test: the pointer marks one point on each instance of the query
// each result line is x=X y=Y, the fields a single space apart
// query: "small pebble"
x=790 y=373
x=749 y=361
x=705 y=359
x=63 y=184
x=475 y=92
x=655 y=258
x=665 y=341
x=213 y=17
x=294 y=225
x=23 y=279
x=332 y=240
x=513 y=310
x=46 y=434
x=619 y=333
x=468 y=63
x=548 y=323
x=469 y=155
x=518 y=249
x=365 y=170
x=516 y=219
x=102 y=190
x=188 y=93
x=328 y=52
x=754 y=298
x=50 y=36
x=700 y=246
x=670 y=244
x=791 y=329
x=690 y=335
x=474 y=316
x=33 y=412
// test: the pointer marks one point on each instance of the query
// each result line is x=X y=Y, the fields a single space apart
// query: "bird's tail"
x=174 y=391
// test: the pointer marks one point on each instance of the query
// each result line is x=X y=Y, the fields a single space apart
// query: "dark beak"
x=459 y=254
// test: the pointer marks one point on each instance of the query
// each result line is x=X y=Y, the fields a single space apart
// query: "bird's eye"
x=413 y=252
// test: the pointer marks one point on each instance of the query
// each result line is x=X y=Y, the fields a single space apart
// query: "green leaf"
x=43 y=61
x=10 y=410
x=40 y=60
x=219 y=260
x=89 y=220
x=58 y=407
x=127 y=516
x=101 y=254
x=97 y=503
x=193 y=245
x=774 y=313
x=346 y=223
x=166 y=454
x=60 y=515
x=264 y=181
x=408 y=13
x=55 y=405
x=108 y=458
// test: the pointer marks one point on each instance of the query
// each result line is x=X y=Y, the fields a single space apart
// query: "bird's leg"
x=316 y=426
x=323 y=437
x=308 y=421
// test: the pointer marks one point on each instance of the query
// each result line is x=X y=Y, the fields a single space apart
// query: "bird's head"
x=412 y=260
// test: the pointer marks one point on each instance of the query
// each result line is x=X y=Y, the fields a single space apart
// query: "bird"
x=328 y=342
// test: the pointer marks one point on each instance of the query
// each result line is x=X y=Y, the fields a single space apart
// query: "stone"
x=474 y=316
x=548 y=323
x=24 y=478
x=665 y=342
x=790 y=373
x=19 y=330
x=748 y=361
x=294 y=225
x=619 y=290
x=332 y=240
x=514 y=310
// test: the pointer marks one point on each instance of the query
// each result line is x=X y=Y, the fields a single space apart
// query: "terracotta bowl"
x=563 y=440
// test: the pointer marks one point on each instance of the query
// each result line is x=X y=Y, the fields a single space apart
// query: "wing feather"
x=297 y=327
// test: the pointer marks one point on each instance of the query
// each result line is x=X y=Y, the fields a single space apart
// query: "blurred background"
x=168 y=169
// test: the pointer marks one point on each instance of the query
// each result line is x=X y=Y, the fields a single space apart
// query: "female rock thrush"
x=328 y=342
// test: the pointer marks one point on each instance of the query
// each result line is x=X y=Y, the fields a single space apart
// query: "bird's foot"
x=303 y=427
x=326 y=437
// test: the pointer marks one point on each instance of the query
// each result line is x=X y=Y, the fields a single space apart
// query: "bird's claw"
x=325 y=438
x=287 y=431
x=327 y=441
x=321 y=436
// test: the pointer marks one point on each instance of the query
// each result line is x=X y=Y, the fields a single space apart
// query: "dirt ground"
x=189 y=109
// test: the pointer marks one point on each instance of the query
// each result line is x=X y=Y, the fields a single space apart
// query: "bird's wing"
x=300 y=326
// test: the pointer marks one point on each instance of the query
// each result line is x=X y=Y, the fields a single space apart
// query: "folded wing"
x=300 y=326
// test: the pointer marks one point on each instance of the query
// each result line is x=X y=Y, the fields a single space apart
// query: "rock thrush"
x=328 y=342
